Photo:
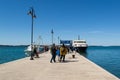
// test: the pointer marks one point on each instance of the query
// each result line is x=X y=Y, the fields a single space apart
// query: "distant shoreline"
x=88 y=46
x=13 y=45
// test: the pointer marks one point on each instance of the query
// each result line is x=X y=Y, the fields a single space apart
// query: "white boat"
x=80 y=45
x=28 y=51
x=36 y=44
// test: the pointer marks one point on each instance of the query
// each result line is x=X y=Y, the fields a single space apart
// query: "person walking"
x=63 y=52
x=53 y=53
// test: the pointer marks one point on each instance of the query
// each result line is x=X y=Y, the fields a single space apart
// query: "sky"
x=96 y=21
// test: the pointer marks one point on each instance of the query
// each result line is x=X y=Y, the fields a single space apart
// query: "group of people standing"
x=34 y=52
x=59 y=51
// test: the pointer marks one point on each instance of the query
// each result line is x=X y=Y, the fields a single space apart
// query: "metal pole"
x=78 y=37
x=32 y=34
x=32 y=27
x=32 y=13
x=58 y=40
x=52 y=35
x=52 y=38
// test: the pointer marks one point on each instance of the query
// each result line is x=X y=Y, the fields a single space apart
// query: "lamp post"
x=32 y=13
x=52 y=35
x=58 y=40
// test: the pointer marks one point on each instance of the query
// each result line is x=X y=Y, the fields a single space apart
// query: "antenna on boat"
x=78 y=37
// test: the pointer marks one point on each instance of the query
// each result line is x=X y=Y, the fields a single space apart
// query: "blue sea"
x=10 y=53
x=108 y=57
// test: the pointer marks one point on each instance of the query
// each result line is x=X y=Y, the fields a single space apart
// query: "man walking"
x=53 y=53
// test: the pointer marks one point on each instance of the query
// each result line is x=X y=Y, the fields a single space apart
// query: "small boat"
x=80 y=45
x=28 y=51
x=36 y=44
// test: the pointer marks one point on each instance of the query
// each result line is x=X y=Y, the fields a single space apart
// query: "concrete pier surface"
x=78 y=68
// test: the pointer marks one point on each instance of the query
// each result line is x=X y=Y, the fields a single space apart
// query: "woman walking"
x=63 y=52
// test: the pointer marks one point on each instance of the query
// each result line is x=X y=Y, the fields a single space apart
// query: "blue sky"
x=96 y=21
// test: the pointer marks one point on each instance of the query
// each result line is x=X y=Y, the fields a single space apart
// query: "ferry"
x=80 y=45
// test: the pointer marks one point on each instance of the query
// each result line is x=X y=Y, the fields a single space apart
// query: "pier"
x=78 y=68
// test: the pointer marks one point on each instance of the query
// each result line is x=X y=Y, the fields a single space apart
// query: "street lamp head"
x=29 y=13
x=32 y=13
x=52 y=31
x=34 y=16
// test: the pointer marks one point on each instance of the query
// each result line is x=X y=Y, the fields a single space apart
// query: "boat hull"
x=28 y=53
x=81 y=49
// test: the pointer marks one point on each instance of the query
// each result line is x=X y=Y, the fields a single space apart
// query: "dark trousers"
x=31 y=56
x=53 y=58
x=62 y=57
x=36 y=54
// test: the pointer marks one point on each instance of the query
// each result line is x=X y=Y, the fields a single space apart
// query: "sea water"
x=10 y=53
x=108 y=57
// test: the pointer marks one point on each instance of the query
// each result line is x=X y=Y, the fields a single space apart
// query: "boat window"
x=79 y=41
